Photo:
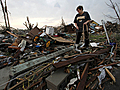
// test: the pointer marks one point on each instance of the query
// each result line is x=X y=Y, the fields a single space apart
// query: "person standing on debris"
x=81 y=21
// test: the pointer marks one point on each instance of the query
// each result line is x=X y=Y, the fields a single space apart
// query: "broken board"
x=60 y=39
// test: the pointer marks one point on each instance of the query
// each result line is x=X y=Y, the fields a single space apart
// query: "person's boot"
x=86 y=42
x=76 y=48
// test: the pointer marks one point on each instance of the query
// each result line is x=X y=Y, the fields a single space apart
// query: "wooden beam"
x=94 y=85
x=103 y=66
x=110 y=74
x=84 y=71
x=12 y=34
x=13 y=88
x=80 y=58
x=75 y=55
x=14 y=47
x=81 y=84
x=90 y=80
x=60 y=39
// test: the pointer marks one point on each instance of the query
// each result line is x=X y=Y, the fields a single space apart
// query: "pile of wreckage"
x=45 y=59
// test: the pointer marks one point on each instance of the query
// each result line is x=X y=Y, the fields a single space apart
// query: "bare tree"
x=3 y=9
x=116 y=8
x=5 y=12
x=29 y=25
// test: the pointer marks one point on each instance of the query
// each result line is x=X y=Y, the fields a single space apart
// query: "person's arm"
x=86 y=22
x=76 y=26
x=88 y=18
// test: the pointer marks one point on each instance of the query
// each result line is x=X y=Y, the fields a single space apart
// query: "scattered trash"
x=47 y=58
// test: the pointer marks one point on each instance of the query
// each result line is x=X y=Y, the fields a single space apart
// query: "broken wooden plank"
x=104 y=65
x=35 y=83
x=84 y=71
x=12 y=34
x=94 y=85
x=81 y=84
x=110 y=74
x=14 y=47
x=25 y=79
x=60 y=39
x=79 y=58
x=75 y=55
x=90 y=80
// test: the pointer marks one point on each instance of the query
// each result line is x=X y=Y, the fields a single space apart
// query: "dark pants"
x=78 y=37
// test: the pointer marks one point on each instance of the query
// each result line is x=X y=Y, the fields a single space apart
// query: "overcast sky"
x=50 y=12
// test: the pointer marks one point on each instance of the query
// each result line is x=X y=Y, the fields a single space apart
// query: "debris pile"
x=44 y=59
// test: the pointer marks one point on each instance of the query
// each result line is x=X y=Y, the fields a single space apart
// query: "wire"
x=18 y=76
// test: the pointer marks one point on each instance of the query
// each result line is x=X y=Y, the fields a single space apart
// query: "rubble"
x=44 y=59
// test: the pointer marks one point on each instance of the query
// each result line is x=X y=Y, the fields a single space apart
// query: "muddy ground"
x=109 y=85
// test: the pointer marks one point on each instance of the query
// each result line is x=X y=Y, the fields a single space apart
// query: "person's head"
x=79 y=9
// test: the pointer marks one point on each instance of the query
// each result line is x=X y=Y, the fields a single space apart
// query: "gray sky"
x=49 y=12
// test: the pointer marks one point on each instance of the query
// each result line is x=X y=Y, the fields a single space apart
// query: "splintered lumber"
x=84 y=71
x=27 y=65
x=75 y=55
x=110 y=74
x=81 y=84
x=25 y=79
x=12 y=34
x=94 y=85
x=60 y=39
x=103 y=66
x=79 y=58
x=14 y=47
x=91 y=80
